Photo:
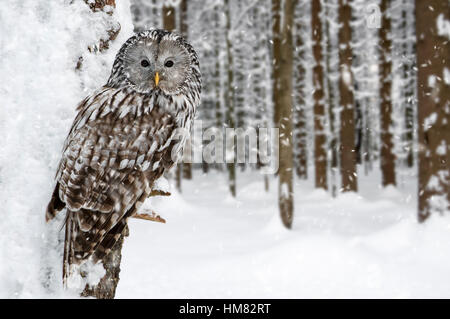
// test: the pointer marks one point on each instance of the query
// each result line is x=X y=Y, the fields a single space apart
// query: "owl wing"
x=115 y=137
x=119 y=143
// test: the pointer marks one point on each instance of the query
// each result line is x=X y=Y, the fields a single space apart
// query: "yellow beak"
x=156 y=78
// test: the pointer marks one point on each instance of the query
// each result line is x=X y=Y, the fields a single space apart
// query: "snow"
x=357 y=245
x=446 y=76
x=443 y=26
x=39 y=49
x=213 y=245
x=346 y=75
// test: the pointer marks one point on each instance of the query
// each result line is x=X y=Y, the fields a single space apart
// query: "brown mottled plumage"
x=122 y=141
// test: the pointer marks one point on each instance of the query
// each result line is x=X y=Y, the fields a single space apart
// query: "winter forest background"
x=359 y=91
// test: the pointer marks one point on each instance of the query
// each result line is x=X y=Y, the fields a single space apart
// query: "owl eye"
x=169 y=63
x=145 y=63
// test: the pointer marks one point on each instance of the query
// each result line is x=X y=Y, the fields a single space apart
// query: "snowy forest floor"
x=357 y=245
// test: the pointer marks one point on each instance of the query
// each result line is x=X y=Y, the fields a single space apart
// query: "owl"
x=122 y=140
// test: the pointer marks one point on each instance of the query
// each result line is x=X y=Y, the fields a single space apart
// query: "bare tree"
x=347 y=147
x=300 y=119
x=433 y=49
x=230 y=96
x=387 y=158
x=331 y=96
x=320 y=154
x=169 y=17
x=282 y=93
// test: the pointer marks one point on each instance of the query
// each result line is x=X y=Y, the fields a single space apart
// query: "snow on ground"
x=214 y=246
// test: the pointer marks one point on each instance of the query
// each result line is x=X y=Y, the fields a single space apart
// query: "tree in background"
x=320 y=154
x=433 y=49
x=347 y=147
x=169 y=16
x=331 y=74
x=282 y=94
x=387 y=158
x=230 y=99
x=362 y=109
x=299 y=86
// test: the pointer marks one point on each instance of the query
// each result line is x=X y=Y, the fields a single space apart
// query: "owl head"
x=155 y=60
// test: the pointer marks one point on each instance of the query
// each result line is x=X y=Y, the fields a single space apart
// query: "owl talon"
x=158 y=192
x=152 y=217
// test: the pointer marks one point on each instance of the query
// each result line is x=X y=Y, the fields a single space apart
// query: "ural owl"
x=122 y=140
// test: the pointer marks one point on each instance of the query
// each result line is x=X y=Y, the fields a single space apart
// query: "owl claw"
x=158 y=192
x=152 y=217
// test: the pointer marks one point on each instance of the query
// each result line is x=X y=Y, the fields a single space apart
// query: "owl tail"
x=77 y=244
x=89 y=234
x=69 y=254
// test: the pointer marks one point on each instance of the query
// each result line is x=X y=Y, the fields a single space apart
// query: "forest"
x=353 y=86
x=317 y=166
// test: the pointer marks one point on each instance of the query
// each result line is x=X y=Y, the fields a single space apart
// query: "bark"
x=387 y=158
x=320 y=155
x=282 y=92
x=169 y=19
x=433 y=108
x=347 y=134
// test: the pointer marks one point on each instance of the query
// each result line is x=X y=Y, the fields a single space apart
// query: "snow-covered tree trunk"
x=320 y=153
x=106 y=288
x=300 y=119
x=409 y=75
x=387 y=158
x=433 y=61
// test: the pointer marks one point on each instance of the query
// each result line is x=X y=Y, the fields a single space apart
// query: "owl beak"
x=156 y=78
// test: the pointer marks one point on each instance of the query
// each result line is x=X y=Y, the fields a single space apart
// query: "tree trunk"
x=169 y=19
x=320 y=154
x=408 y=94
x=106 y=288
x=348 y=154
x=217 y=76
x=229 y=98
x=282 y=92
x=433 y=89
x=331 y=105
x=301 y=137
x=387 y=158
